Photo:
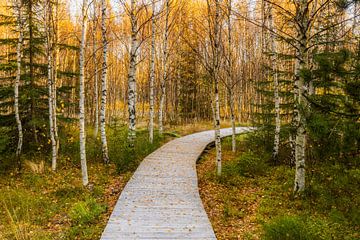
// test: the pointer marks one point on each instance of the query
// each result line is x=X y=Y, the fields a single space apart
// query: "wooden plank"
x=161 y=200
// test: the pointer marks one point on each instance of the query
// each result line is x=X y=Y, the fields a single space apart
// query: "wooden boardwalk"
x=161 y=200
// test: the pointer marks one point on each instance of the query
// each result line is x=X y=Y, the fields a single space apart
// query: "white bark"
x=300 y=101
x=96 y=78
x=20 y=25
x=217 y=129
x=55 y=72
x=49 y=53
x=105 y=153
x=230 y=80
x=84 y=172
x=165 y=65
x=216 y=85
x=132 y=75
x=152 y=74
x=274 y=67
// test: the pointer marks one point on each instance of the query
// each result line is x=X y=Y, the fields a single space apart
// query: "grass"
x=53 y=205
x=39 y=204
x=252 y=200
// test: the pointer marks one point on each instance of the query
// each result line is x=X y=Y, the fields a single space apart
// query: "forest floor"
x=252 y=200
x=51 y=205
x=41 y=204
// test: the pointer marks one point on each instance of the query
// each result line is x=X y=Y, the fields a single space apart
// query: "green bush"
x=127 y=158
x=247 y=165
x=289 y=227
x=4 y=139
x=87 y=211
x=334 y=190
x=251 y=165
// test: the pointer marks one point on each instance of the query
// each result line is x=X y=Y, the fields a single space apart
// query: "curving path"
x=161 y=200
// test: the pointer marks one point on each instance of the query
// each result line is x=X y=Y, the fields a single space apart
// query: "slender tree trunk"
x=84 y=172
x=96 y=78
x=165 y=65
x=230 y=80
x=152 y=74
x=55 y=73
x=300 y=101
x=274 y=67
x=132 y=76
x=217 y=128
x=216 y=85
x=20 y=25
x=49 y=53
x=104 y=84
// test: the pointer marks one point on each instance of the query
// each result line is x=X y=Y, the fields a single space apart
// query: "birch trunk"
x=152 y=74
x=49 y=53
x=300 y=101
x=230 y=80
x=232 y=119
x=84 y=172
x=105 y=153
x=55 y=72
x=132 y=76
x=20 y=25
x=164 y=78
x=274 y=66
x=216 y=85
x=96 y=78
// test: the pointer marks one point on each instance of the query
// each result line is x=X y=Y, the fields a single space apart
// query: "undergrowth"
x=254 y=197
x=40 y=204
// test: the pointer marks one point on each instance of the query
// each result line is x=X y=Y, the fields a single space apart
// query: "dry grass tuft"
x=35 y=167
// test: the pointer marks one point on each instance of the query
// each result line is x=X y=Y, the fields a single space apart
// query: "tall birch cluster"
x=155 y=64
x=307 y=36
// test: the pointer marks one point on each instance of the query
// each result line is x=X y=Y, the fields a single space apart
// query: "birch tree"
x=104 y=84
x=132 y=74
x=302 y=26
x=84 y=172
x=50 y=80
x=215 y=75
x=165 y=68
x=230 y=84
x=96 y=76
x=276 y=84
x=152 y=73
x=20 y=25
x=55 y=29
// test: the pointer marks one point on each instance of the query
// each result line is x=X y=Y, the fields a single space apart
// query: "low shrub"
x=251 y=165
x=87 y=211
x=127 y=158
x=289 y=227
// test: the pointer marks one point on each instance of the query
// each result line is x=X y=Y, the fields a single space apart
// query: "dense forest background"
x=105 y=84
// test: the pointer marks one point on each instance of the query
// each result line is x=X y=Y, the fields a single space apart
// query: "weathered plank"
x=161 y=200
